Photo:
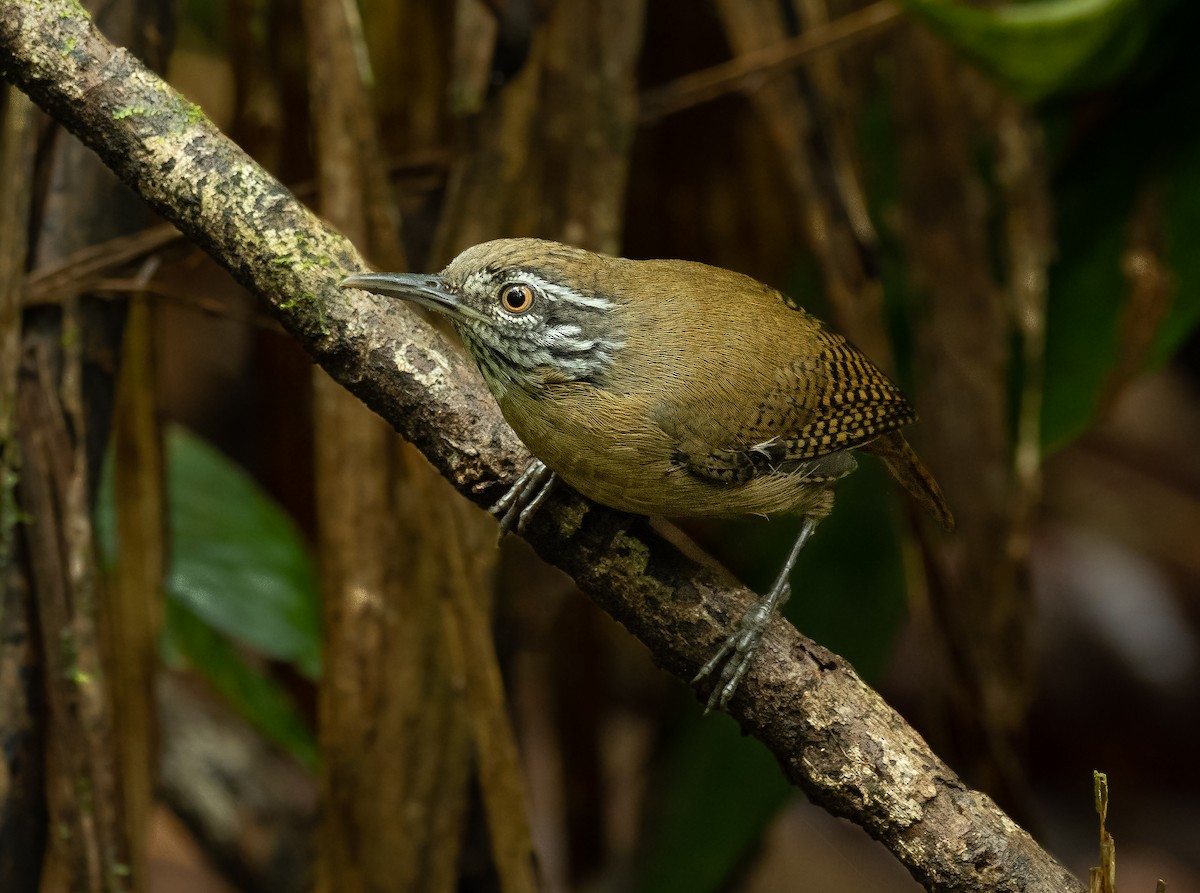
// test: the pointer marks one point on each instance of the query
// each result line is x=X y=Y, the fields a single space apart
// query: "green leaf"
x=239 y=572
x=1151 y=137
x=1083 y=314
x=190 y=640
x=1044 y=48
x=238 y=561
x=1182 y=213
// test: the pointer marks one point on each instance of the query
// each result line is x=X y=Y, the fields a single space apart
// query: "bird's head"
x=531 y=312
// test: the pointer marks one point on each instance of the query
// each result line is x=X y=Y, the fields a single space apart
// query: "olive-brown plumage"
x=669 y=387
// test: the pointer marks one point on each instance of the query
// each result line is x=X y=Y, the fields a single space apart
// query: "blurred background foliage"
x=626 y=786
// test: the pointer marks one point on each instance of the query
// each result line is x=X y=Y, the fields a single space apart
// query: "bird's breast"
x=606 y=446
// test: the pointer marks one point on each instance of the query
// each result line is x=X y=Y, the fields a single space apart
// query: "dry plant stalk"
x=394 y=732
x=134 y=606
x=21 y=761
x=979 y=597
x=1103 y=879
x=826 y=183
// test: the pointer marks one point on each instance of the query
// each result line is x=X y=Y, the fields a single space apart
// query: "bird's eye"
x=516 y=298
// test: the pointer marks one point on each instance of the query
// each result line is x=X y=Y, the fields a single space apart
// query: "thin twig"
x=742 y=72
x=80 y=270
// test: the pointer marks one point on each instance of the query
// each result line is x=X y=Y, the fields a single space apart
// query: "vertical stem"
x=979 y=593
x=134 y=595
x=394 y=730
x=22 y=799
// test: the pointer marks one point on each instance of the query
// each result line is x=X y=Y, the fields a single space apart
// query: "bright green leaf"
x=1044 y=48
x=238 y=560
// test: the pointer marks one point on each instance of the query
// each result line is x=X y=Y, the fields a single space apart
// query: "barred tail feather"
x=914 y=477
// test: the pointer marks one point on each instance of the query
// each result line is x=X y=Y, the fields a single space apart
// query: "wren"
x=667 y=387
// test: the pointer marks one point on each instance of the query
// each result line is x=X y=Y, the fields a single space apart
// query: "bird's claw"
x=738 y=650
x=524 y=497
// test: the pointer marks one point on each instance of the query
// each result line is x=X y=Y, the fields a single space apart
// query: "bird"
x=669 y=388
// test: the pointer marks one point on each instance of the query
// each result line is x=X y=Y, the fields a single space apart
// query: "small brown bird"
x=666 y=387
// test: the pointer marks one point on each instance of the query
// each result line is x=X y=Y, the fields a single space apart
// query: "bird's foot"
x=738 y=650
x=524 y=497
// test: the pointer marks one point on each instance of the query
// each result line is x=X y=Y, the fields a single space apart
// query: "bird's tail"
x=906 y=468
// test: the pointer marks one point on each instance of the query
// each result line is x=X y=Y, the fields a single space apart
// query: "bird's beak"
x=420 y=288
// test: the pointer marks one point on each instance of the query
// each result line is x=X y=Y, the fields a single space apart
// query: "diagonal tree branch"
x=833 y=736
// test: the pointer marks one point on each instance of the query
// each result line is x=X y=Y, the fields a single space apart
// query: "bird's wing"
x=805 y=419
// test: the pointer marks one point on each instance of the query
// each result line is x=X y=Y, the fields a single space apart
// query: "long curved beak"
x=420 y=288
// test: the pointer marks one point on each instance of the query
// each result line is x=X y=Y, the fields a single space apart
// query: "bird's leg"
x=738 y=650
x=524 y=497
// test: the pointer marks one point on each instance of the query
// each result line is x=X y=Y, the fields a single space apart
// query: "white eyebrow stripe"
x=561 y=293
